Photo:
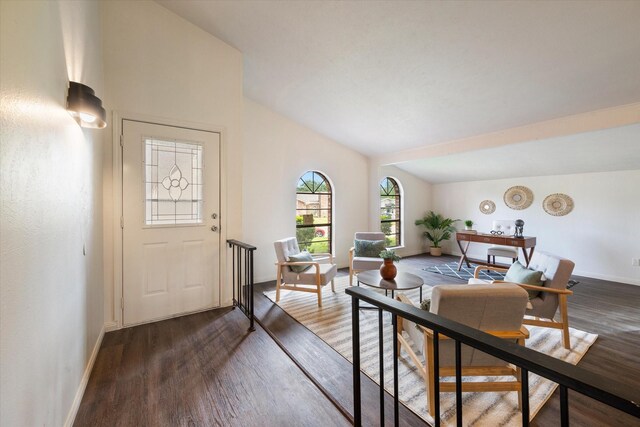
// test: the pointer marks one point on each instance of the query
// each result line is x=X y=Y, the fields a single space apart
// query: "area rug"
x=451 y=269
x=332 y=323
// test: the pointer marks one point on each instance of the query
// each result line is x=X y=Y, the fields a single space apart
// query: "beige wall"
x=277 y=151
x=158 y=64
x=51 y=286
x=600 y=235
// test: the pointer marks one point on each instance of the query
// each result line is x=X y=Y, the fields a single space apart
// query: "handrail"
x=242 y=277
x=610 y=392
x=241 y=244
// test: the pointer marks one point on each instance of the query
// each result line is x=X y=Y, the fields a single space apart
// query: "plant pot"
x=388 y=270
x=435 y=251
x=468 y=228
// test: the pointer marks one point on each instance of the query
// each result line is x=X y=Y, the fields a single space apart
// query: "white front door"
x=170 y=213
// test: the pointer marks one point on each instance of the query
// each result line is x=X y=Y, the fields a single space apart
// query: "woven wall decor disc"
x=487 y=207
x=557 y=204
x=518 y=197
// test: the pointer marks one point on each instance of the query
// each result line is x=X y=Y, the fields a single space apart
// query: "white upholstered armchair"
x=313 y=273
x=362 y=263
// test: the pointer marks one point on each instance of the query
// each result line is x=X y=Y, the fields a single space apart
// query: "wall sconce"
x=85 y=106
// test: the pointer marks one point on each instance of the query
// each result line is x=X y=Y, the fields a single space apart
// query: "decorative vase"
x=388 y=270
x=435 y=251
x=468 y=227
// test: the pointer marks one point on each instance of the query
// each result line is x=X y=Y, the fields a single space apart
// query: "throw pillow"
x=301 y=257
x=518 y=273
x=369 y=248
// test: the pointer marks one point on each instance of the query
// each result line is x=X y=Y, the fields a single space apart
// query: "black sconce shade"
x=85 y=107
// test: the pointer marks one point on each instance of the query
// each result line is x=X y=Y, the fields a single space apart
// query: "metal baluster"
x=355 y=326
x=458 y=384
x=381 y=350
x=524 y=383
x=251 y=327
x=564 y=406
x=246 y=288
x=239 y=266
x=394 y=343
x=233 y=275
x=436 y=377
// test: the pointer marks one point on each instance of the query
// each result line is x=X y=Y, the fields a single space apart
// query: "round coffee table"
x=402 y=282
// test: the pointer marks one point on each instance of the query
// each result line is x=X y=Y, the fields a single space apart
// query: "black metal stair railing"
x=242 y=277
x=566 y=375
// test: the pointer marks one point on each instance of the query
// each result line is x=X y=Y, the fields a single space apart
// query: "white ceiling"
x=600 y=151
x=389 y=75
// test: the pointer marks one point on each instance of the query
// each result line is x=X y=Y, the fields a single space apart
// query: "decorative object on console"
x=557 y=204
x=438 y=228
x=518 y=197
x=487 y=207
x=519 y=229
x=388 y=270
x=468 y=225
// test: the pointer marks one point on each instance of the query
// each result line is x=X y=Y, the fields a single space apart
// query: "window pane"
x=173 y=182
x=313 y=212
x=390 y=214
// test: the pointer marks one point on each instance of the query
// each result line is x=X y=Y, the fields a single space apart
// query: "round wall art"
x=557 y=204
x=487 y=207
x=518 y=197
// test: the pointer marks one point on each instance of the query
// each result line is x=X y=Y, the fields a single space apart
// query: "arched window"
x=390 y=214
x=314 y=212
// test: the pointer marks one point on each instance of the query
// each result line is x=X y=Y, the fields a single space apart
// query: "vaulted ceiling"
x=386 y=76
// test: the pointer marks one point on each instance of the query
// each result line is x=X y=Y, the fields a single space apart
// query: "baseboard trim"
x=71 y=417
x=110 y=326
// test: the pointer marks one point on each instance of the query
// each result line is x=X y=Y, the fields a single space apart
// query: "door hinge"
x=121 y=140
x=121 y=222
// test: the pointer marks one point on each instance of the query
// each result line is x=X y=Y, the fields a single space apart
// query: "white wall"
x=416 y=201
x=51 y=294
x=601 y=235
x=277 y=151
x=158 y=64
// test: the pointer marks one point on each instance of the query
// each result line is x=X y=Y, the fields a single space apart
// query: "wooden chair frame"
x=316 y=289
x=428 y=375
x=563 y=324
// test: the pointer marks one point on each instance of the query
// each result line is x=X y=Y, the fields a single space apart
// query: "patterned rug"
x=451 y=269
x=332 y=323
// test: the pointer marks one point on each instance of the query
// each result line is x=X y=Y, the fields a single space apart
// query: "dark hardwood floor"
x=200 y=370
x=206 y=369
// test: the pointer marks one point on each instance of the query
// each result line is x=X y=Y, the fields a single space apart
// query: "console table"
x=523 y=243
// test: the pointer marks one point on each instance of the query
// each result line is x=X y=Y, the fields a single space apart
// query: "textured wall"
x=277 y=152
x=51 y=289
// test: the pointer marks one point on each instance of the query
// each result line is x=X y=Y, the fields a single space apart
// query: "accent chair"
x=361 y=263
x=495 y=309
x=552 y=295
x=317 y=272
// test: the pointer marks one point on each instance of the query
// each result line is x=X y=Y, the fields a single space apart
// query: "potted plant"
x=388 y=270
x=468 y=225
x=438 y=228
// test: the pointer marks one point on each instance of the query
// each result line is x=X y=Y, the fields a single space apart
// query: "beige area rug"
x=332 y=323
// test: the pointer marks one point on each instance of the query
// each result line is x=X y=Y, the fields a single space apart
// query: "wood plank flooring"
x=207 y=370
x=200 y=370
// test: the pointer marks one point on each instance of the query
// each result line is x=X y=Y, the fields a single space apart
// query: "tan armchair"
x=553 y=294
x=311 y=280
x=495 y=309
x=358 y=264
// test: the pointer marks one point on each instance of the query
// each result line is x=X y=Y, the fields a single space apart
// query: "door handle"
x=214 y=228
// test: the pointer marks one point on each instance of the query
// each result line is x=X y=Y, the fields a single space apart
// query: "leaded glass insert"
x=173 y=182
